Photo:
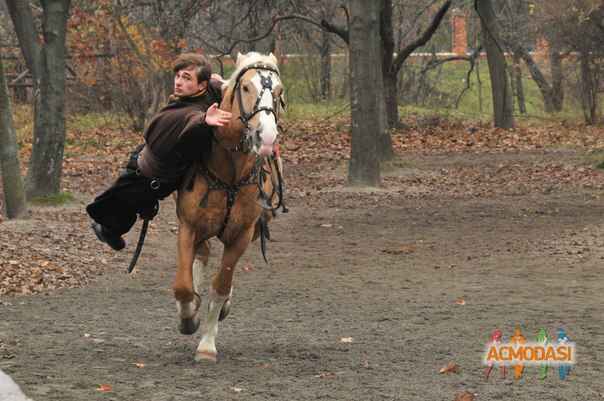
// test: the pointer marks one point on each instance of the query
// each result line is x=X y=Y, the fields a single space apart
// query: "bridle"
x=267 y=84
x=257 y=175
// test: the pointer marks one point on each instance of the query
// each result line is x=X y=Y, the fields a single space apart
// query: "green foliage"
x=53 y=200
x=315 y=111
x=449 y=80
x=445 y=84
x=90 y=121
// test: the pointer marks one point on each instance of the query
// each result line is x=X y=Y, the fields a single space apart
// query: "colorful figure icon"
x=543 y=338
x=496 y=338
x=563 y=369
x=518 y=339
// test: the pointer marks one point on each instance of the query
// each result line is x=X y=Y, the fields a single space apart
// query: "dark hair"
x=203 y=69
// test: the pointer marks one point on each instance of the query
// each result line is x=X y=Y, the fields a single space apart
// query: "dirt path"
x=385 y=274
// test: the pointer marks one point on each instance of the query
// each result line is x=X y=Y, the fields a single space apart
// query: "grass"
x=89 y=121
x=300 y=77
x=450 y=80
x=314 y=111
x=395 y=164
x=53 y=200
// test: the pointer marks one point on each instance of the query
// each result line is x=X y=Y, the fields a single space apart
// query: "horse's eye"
x=245 y=88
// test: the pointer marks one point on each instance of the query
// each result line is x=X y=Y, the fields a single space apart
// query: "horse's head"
x=256 y=94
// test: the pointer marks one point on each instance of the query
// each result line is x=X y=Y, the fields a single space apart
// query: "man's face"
x=185 y=82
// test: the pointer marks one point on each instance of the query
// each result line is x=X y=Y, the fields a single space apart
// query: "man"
x=178 y=135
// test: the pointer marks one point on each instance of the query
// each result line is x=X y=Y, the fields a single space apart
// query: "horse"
x=227 y=196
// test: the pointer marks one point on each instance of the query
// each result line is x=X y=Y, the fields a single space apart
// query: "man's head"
x=191 y=74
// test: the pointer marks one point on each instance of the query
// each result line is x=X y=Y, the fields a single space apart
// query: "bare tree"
x=14 y=195
x=391 y=63
x=518 y=32
x=367 y=100
x=501 y=91
x=46 y=63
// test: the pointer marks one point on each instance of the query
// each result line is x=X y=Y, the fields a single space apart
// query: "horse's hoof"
x=190 y=325
x=205 y=356
x=225 y=310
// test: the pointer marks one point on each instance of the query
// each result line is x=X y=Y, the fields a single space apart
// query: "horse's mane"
x=245 y=60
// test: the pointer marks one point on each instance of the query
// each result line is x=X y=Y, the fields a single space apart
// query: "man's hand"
x=216 y=117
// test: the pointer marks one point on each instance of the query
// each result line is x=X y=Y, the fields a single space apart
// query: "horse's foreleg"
x=219 y=293
x=187 y=300
x=201 y=260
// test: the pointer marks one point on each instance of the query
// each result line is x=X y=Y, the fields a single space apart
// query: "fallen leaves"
x=326 y=375
x=57 y=250
x=104 y=388
x=465 y=396
x=460 y=301
x=451 y=367
x=403 y=249
x=53 y=249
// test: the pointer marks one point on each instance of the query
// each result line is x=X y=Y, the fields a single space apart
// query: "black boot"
x=116 y=242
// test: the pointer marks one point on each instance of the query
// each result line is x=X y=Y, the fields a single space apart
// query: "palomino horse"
x=226 y=197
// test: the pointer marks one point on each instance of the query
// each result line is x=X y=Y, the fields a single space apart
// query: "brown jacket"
x=178 y=135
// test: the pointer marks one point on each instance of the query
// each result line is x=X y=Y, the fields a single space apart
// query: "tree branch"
x=116 y=14
x=324 y=25
x=341 y=31
x=23 y=22
x=472 y=60
x=422 y=40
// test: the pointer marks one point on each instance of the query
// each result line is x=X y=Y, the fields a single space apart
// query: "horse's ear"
x=273 y=58
x=240 y=58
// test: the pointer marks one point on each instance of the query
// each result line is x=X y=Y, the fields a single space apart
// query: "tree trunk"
x=557 y=76
x=391 y=88
x=23 y=22
x=46 y=164
x=519 y=85
x=14 y=196
x=47 y=65
x=540 y=80
x=390 y=77
x=388 y=105
x=501 y=92
x=368 y=124
x=589 y=98
x=325 y=53
x=479 y=84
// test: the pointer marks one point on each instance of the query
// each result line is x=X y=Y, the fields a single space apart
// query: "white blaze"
x=267 y=122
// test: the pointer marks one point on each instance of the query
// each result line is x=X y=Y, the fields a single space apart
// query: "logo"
x=518 y=353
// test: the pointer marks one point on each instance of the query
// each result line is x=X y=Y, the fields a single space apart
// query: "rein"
x=258 y=174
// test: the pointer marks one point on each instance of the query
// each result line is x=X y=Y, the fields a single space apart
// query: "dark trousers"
x=132 y=194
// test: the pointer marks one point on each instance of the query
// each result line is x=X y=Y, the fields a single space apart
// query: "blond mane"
x=245 y=60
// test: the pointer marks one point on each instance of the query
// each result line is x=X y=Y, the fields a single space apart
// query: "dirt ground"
x=368 y=294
